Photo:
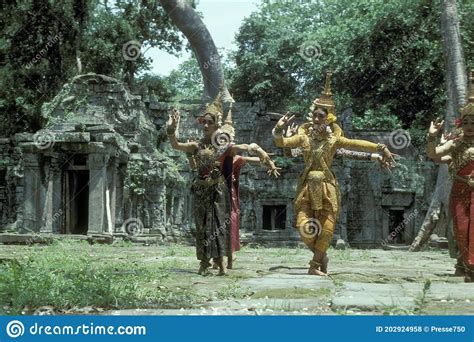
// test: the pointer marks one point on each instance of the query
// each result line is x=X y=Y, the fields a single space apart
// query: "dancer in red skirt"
x=460 y=149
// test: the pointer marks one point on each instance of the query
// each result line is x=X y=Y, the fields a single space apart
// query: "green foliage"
x=135 y=178
x=232 y=291
x=111 y=27
x=387 y=57
x=185 y=82
x=283 y=162
x=380 y=120
x=69 y=280
x=156 y=86
x=41 y=41
x=420 y=300
x=140 y=174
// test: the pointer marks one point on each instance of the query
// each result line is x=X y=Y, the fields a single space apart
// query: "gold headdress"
x=228 y=125
x=214 y=109
x=325 y=100
x=468 y=109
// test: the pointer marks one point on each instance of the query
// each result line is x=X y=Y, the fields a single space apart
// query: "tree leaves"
x=387 y=57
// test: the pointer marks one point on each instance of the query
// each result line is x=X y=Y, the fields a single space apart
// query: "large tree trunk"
x=188 y=21
x=80 y=9
x=438 y=216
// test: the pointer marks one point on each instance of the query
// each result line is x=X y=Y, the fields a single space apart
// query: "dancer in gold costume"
x=317 y=199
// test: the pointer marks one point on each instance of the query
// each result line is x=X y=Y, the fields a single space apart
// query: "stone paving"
x=273 y=281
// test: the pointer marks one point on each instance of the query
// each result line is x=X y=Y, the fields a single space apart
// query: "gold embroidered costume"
x=317 y=201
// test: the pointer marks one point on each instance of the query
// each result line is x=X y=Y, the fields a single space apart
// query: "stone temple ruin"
x=103 y=165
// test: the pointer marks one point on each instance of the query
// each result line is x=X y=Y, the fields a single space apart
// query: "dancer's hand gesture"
x=387 y=163
x=273 y=170
x=284 y=121
x=173 y=121
x=435 y=127
x=292 y=130
x=388 y=159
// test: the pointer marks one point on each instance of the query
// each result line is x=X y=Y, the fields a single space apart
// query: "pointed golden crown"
x=228 y=125
x=215 y=108
x=228 y=120
x=468 y=109
x=325 y=100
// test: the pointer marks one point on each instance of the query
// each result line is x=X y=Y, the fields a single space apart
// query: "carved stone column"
x=112 y=186
x=97 y=188
x=58 y=211
x=47 y=207
x=119 y=195
x=32 y=194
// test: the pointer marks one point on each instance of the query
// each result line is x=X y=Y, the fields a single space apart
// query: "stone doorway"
x=76 y=196
x=397 y=226
x=274 y=217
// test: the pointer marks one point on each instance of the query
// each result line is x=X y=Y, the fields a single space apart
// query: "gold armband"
x=381 y=147
x=265 y=160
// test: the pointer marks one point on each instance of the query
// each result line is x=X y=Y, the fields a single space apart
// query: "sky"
x=222 y=18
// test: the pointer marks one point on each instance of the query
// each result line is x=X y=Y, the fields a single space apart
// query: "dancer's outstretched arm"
x=254 y=149
x=356 y=155
x=172 y=123
x=252 y=160
x=388 y=160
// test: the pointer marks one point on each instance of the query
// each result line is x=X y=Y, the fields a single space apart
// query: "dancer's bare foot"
x=203 y=271
x=230 y=261
x=316 y=272
x=222 y=267
x=315 y=267
x=203 y=268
